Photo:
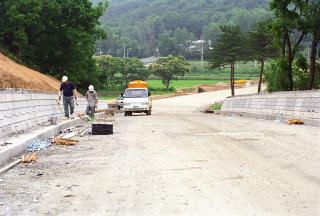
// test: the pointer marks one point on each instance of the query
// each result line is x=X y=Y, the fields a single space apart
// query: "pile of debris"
x=66 y=142
x=73 y=131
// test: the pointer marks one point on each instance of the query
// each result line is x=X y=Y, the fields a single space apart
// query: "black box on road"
x=102 y=128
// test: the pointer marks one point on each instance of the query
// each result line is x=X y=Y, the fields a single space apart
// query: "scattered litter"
x=9 y=166
x=277 y=121
x=78 y=130
x=68 y=195
x=53 y=120
x=29 y=158
x=295 y=122
x=5 y=143
x=38 y=145
x=66 y=142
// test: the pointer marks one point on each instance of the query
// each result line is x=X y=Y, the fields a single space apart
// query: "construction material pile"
x=77 y=130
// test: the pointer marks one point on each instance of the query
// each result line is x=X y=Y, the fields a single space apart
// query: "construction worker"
x=69 y=94
x=92 y=99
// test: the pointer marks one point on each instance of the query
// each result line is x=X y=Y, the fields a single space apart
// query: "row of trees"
x=53 y=36
x=116 y=73
x=295 y=21
x=232 y=46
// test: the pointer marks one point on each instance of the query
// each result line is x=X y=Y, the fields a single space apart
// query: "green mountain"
x=142 y=26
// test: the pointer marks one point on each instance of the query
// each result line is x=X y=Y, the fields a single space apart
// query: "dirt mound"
x=14 y=75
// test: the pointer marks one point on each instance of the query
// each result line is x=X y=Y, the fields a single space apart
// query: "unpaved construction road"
x=175 y=162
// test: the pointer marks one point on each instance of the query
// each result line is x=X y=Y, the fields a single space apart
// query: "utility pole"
x=124 y=50
x=202 y=51
x=308 y=53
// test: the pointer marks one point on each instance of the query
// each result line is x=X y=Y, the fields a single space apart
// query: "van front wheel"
x=126 y=113
x=148 y=112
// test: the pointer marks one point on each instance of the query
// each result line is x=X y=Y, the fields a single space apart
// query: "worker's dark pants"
x=90 y=110
x=68 y=102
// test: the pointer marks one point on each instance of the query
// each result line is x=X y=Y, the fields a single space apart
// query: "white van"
x=136 y=100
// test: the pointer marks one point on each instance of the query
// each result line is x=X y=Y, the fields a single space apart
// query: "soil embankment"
x=14 y=75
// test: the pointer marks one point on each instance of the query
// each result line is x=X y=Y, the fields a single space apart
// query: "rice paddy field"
x=201 y=74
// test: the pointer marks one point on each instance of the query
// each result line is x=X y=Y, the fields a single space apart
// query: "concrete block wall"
x=300 y=104
x=22 y=110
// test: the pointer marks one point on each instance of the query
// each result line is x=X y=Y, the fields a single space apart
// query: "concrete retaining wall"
x=23 y=110
x=299 y=104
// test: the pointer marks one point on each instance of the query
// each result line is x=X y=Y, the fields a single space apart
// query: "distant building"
x=149 y=60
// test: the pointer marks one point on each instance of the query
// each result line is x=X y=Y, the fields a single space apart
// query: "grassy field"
x=201 y=70
x=182 y=83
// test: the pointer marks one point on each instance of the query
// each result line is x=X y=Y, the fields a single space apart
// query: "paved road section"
x=175 y=162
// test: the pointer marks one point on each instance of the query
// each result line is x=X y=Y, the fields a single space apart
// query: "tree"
x=118 y=72
x=289 y=25
x=133 y=69
x=211 y=32
x=261 y=46
x=53 y=36
x=228 y=49
x=110 y=69
x=313 y=26
x=170 y=68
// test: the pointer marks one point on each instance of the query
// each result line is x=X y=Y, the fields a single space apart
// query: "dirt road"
x=175 y=162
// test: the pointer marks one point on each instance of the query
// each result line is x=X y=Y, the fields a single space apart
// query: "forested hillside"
x=144 y=25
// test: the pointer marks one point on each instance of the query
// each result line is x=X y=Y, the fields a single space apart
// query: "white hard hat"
x=64 y=78
x=91 y=88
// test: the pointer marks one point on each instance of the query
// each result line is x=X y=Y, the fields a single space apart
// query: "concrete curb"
x=21 y=143
x=307 y=121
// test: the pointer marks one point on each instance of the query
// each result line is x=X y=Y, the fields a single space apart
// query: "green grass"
x=216 y=106
x=182 y=83
x=201 y=70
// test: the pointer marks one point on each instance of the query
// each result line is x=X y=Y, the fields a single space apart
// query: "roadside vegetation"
x=53 y=36
x=217 y=106
x=61 y=37
x=279 y=41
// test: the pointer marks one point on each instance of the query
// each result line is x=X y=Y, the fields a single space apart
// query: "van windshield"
x=135 y=93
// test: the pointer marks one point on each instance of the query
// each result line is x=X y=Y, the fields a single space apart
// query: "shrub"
x=276 y=76
x=300 y=73
x=216 y=106
x=169 y=90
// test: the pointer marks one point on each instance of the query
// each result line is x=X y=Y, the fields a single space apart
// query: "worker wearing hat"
x=69 y=95
x=92 y=99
